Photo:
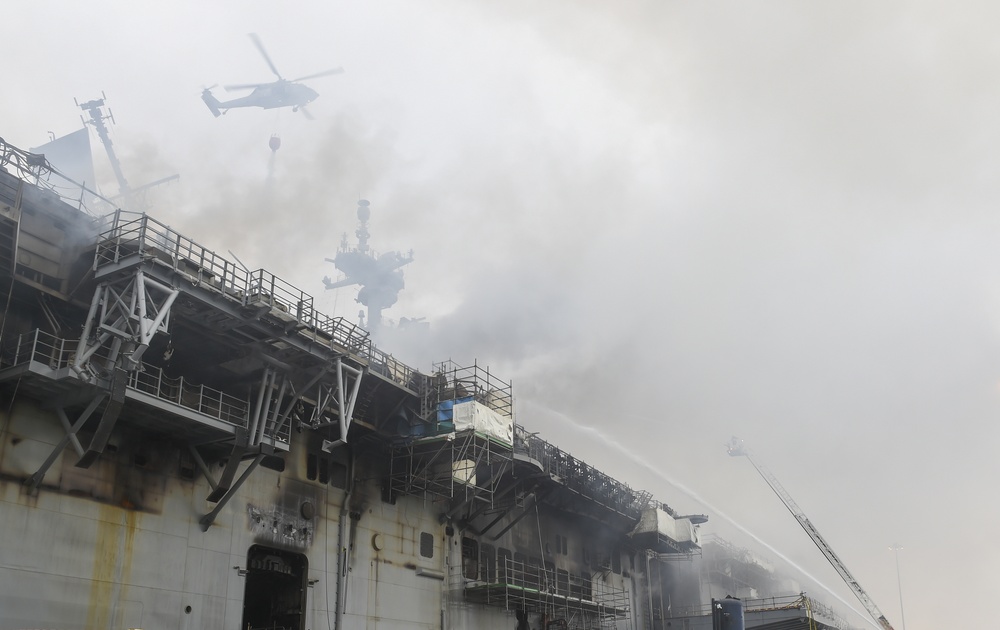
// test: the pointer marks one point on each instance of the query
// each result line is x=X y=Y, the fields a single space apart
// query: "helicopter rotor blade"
x=319 y=74
x=305 y=112
x=260 y=47
x=243 y=86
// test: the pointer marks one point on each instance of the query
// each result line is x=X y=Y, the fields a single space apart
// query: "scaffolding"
x=444 y=460
x=466 y=464
x=567 y=600
x=451 y=383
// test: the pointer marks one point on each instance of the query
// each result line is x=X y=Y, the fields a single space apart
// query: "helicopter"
x=280 y=93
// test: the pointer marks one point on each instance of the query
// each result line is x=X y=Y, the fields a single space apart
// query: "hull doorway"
x=275 y=595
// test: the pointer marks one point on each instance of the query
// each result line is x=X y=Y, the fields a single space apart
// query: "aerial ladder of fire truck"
x=736 y=449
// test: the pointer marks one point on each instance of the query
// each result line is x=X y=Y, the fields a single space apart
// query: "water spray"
x=692 y=494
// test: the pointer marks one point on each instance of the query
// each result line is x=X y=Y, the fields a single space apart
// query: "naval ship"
x=188 y=443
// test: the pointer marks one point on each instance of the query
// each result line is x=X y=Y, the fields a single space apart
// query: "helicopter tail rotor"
x=212 y=102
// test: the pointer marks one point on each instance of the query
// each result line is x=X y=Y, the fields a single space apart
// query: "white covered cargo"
x=477 y=416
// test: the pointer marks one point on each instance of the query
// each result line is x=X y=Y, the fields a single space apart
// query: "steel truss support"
x=249 y=443
x=267 y=419
x=279 y=421
x=128 y=313
x=344 y=392
x=258 y=455
x=250 y=439
x=490 y=505
x=125 y=316
x=108 y=419
x=202 y=466
x=70 y=438
x=536 y=497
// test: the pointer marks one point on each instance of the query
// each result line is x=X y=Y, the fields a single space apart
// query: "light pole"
x=896 y=548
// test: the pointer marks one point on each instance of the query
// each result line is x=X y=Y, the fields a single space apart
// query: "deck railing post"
x=34 y=345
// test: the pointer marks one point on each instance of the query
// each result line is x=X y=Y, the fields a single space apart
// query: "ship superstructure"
x=380 y=276
x=188 y=443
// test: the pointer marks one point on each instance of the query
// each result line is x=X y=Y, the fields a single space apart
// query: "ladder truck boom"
x=736 y=449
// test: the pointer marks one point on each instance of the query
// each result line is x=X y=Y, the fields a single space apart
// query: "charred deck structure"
x=188 y=443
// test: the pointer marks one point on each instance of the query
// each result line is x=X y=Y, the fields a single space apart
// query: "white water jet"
x=630 y=454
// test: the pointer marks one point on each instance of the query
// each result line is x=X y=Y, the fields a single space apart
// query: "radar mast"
x=379 y=275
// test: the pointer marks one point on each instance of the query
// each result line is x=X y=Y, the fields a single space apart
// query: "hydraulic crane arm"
x=736 y=448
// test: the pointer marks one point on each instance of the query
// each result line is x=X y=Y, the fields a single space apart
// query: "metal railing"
x=135 y=236
x=56 y=354
x=452 y=382
x=131 y=233
x=773 y=604
x=519 y=585
x=205 y=400
x=34 y=168
x=581 y=476
x=797 y=602
x=40 y=347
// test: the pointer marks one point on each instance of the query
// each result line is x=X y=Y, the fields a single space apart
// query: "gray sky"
x=669 y=222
